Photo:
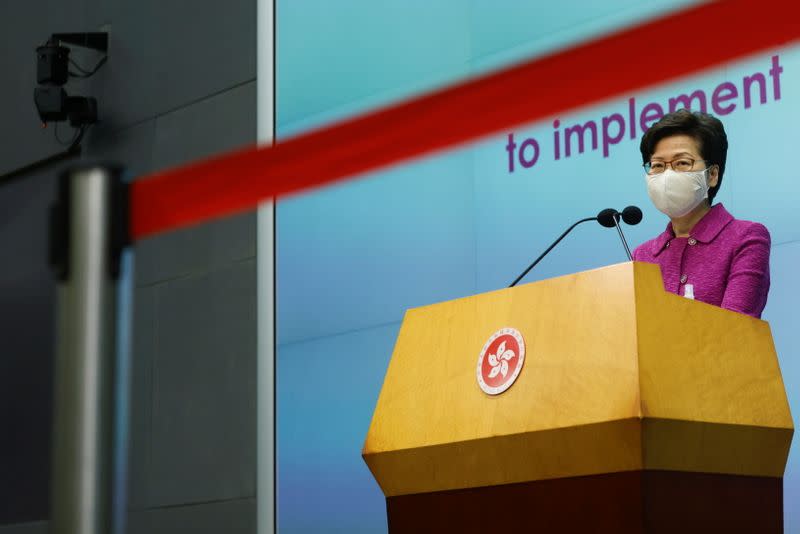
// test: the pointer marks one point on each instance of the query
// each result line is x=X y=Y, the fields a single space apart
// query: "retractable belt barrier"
x=626 y=60
x=97 y=215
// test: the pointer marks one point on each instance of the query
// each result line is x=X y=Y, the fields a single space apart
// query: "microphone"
x=632 y=215
x=608 y=218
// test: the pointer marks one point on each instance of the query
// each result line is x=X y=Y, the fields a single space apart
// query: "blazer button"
x=684 y=278
x=692 y=241
x=667 y=245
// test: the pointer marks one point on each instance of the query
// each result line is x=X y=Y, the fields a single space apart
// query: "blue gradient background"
x=353 y=257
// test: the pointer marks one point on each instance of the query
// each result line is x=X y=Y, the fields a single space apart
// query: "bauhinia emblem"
x=500 y=361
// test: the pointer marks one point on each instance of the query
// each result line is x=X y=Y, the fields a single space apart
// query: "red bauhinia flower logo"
x=500 y=361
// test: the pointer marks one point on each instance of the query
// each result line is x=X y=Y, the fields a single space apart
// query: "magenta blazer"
x=726 y=261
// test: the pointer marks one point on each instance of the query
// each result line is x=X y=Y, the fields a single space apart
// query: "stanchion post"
x=88 y=232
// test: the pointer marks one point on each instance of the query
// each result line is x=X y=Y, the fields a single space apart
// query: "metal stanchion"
x=88 y=232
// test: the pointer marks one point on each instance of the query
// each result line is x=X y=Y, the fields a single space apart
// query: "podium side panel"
x=713 y=399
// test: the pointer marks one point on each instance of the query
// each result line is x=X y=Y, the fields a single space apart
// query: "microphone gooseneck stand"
x=609 y=218
x=622 y=237
x=557 y=241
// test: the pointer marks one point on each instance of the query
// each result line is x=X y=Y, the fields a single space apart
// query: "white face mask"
x=677 y=193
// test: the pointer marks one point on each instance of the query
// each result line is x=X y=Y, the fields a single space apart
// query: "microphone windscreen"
x=632 y=215
x=606 y=217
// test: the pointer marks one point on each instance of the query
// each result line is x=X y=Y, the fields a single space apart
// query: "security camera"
x=52 y=72
x=52 y=64
x=54 y=105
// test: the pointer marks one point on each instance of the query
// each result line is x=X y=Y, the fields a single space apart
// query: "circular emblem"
x=500 y=361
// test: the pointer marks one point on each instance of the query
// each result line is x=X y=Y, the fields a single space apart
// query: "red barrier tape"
x=662 y=49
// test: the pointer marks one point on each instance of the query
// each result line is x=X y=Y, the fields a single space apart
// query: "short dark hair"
x=706 y=129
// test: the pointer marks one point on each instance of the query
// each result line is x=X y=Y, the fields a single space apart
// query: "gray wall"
x=179 y=85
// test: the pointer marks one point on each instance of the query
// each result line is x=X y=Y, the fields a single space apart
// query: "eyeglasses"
x=679 y=165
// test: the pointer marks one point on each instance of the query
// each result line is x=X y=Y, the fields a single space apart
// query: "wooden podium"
x=635 y=410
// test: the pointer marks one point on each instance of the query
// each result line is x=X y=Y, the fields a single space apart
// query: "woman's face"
x=680 y=146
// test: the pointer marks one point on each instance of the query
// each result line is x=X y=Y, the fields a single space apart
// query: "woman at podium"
x=704 y=252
